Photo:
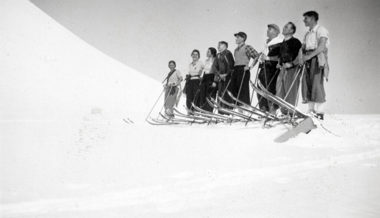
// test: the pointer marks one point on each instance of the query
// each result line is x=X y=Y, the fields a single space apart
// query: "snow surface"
x=65 y=151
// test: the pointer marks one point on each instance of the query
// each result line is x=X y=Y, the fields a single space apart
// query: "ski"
x=257 y=110
x=304 y=126
x=212 y=115
x=241 y=108
x=231 y=112
x=174 y=119
x=155 y=122
x=190 y=117
x=279 y=101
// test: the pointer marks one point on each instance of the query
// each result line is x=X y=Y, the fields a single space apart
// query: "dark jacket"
x=223 y=64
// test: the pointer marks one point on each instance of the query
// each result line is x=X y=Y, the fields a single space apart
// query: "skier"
x=173 y=81
x=206 y=89
x=193 y=81
x=223 y=67
x=268 y=72
x=241 y=75
x=314 y=54
x=289 y=78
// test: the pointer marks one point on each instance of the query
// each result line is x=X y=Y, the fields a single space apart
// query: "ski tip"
x=304 y=126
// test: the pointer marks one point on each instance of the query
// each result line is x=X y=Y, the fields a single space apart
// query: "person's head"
x=273 y=31
x=289 y=29
x=222 y=45
x=211 y=52
x=310 y=18
x=172 y=65
x=240 y=37
x=195 y=54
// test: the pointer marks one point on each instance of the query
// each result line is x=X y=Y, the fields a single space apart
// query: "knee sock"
x=319 y=108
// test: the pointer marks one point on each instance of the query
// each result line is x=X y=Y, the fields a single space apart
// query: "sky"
x=145 y=35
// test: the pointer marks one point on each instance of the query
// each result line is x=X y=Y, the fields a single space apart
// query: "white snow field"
x=65 y=151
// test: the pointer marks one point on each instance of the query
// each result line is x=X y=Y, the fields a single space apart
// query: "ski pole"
x=241 y=83
x=154 y=105
x=256 y=78
x=295 y=78
x=294 y=109
x=166 y=98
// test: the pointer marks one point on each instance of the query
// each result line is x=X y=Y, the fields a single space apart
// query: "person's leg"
x=166 y=97
x=208 y=91
x=190 y=94
x=202 y=93
x=306 y=83
x=172 y=97
x=244 y=89
x=272 y=87
x=232 y=86
x=281 y=87
x=197 y=93
x=318 y=90
x=263 y=102
x=311 y=107
x=228 y=87
x=292 y=85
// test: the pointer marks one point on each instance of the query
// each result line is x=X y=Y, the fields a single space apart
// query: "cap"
x=241 y=34
x=274 y=26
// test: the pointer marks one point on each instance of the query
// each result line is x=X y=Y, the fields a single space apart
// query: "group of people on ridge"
x=284 y=63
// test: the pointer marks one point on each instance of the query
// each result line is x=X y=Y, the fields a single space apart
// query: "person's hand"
x=247 y=68
x=305 y=58
x=223 y=77
x=288 y=65
x=213 y=84
x=278 y=66
x=263 y=58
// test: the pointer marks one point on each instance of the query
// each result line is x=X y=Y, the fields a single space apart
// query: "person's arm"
x=321 y=48
x=179 y=78
x=252 y=53
x=200 y=67
x=215 y=68
x=297 y=52
x=274 y=53
x=231 y=61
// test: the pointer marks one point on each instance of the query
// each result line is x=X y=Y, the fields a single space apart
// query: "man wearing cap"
x=241 y=75
x=267 y=69
x=316 y=65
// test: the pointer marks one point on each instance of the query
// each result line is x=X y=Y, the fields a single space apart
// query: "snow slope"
x=47 y=73
x=65 y=152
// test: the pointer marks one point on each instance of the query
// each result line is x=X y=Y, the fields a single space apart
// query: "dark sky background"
x=145 y=35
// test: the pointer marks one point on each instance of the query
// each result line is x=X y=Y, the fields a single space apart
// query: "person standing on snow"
x=207 y=79
x=288 y=80
x=241 y=75
x=268 y=72
x=173 y=81
x=314 y=54
x=223 y=67
x=193 y=81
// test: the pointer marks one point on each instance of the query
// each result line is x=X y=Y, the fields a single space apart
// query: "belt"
x=308 y=51
x=194 y=77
